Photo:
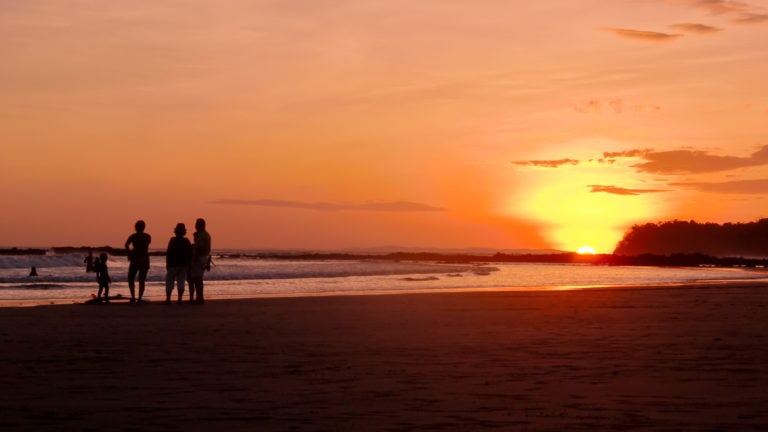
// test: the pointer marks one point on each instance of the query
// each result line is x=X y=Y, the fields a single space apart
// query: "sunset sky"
x=329 y=124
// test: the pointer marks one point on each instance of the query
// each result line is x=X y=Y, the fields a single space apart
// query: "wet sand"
x=666 y=359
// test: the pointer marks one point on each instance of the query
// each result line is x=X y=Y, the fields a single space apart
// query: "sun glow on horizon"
x=573 y=215
x=586 y=250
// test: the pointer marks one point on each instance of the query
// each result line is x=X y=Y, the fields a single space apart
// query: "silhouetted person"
x=201 y=261
x=33 y=271
x=177 y=259
x=102 y=277
x=89 y=262
x=137 y=246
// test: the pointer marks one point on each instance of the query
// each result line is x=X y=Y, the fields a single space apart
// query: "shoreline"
x=158 y=299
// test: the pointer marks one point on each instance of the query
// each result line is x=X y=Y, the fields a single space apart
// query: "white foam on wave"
x=70 y=268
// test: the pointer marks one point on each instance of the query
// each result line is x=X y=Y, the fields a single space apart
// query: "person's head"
x=103 y=257
x=140 y=225
x=200 y=224
x=180 y=230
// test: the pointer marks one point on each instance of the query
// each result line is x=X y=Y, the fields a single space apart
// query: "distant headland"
x=690 y=237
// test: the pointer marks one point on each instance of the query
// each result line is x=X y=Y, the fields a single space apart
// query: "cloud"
x=616 y=106
x=695 y=28
x=693 y=161
x=611 y=157
x=718 y=7
x=648 y=36
x=741 y=12
x=396 y=206
x=627 y=153
x=754 y=187
x=752 y=18
x=547 y=163
x=664 y=163
x=622 y=191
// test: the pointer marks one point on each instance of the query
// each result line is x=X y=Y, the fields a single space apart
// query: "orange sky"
x=339 y=124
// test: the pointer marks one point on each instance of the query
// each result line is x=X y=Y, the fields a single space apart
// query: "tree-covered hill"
x=729 y=239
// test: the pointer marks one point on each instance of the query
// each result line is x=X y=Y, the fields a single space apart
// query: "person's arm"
x=127 y=248
x=194 y=247
x=168 y=252
x=205 y=244
x=188 y=251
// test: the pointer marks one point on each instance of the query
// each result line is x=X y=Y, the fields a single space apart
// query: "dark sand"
x=671 y=359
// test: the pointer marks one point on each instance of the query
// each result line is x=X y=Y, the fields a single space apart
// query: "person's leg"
x=181 y=276
x=106 y=292
x=132 y=270
x=199 y=288
x=98 y=296
x=142 y=281
x=169 y=278
x=197 y=272
x=191 y=281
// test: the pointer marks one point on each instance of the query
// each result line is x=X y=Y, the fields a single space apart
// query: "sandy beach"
x=654 y=359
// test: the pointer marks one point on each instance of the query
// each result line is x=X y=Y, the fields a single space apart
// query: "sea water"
x=62 y=277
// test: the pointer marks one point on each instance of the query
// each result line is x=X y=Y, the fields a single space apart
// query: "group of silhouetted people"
x=185 y=262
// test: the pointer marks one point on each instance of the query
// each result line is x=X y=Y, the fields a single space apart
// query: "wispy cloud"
x=615 y=190
x=627 y=153
x=717 y=7
x=695 y=28
x=740 y=12
x=396 y=206
x=752 y=18
x=547 y=163
x=643 y=35
x=666 y=162
x=695 y=161
x=608 y=158
x=613 y=157
x=721 y=6
x=615 y=106
x=749 y=187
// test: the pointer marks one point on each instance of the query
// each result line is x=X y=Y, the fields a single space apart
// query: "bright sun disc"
x=586 y=250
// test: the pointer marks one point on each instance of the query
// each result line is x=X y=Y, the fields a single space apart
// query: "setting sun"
x=573 y=212
x=586 y=250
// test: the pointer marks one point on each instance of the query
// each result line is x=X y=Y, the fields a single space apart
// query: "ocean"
x=62 y=277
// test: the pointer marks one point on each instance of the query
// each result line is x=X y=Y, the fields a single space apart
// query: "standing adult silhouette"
x=137 y=246
x=177 y=259
x=201 y=256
